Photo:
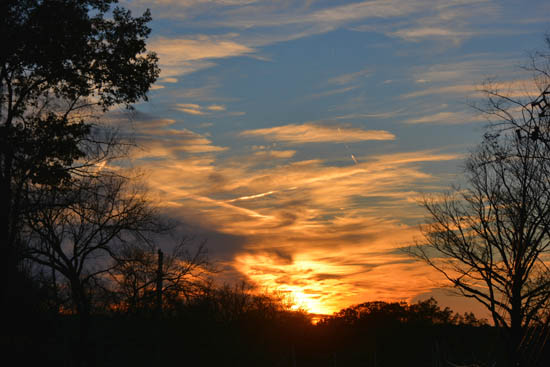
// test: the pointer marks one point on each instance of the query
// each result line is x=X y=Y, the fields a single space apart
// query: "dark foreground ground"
x=235 y=328
x=196 y=341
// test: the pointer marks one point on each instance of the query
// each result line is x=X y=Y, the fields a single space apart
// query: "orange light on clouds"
x=323 y=284
x=302 y=166
x=323 y=233
x=295 y=278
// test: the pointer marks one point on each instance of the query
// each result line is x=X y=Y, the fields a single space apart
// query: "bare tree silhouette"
x=490 y=238
x=76 y=231
x=145 y=283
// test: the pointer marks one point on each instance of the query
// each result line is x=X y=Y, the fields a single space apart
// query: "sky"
x=297 y=137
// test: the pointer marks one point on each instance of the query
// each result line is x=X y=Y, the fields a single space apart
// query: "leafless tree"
x=140 y=278
x=528 y=115
x=76 y=230
x=491 y=238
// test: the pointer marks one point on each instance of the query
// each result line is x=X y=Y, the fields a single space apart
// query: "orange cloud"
x=161 y=138
x=414 y=34
x=276 y=154
x=190 y=108
x=515 y=88
x=324 y=284
x=470 y=89
x=447 y=118
x=181 y=56
x=315 y=133
x=325 y=234
x=216 y=107
x=195 y=109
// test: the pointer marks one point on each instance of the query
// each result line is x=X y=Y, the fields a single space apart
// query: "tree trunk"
x=8 y=263
x=516 y=332
x=158 y=308
x=82 y=356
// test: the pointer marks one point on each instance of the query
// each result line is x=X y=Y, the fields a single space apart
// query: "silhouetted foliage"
x=422 y=313
x=62 y=63
x=236 y=325
x=60 y=59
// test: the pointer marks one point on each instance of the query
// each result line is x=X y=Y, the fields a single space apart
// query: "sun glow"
x=308 y=302
x=312 y=286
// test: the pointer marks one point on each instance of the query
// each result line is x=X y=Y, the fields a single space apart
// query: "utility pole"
x=159 y=282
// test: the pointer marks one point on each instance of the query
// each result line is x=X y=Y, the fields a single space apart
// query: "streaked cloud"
x=180 y=56
x=307 y=228
x=415 y=34
x=190 y=108
x=381 y=115
x=172 y=51
x=315 y=133
x=446 y=117
x=349 y=77
x=332 y=15
x=513 y=88
x=161 y=138
x=275 y=22
x=333 y=92
x=168 y=80
x=195 y=109
x=215 y=107
x=296 y=207
x=472 y=90
x=320 y=284
x=275 y=153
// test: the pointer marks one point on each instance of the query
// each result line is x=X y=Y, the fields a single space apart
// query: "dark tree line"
x=371 y=314
x=236 y=325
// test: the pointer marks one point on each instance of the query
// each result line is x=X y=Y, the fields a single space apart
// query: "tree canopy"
x=61 y=61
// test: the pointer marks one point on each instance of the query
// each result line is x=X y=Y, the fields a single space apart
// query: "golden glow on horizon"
x=294 y=279
x=321 y=287
x=319 y=233
x=306 y=180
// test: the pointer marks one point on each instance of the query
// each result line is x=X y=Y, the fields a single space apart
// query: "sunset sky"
x=296 y=137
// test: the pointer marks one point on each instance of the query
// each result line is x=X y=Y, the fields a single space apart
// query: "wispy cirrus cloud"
x=332 y=92
x=348 y=78
x=316 y=133
x=321 y=284
x=306 y=225
x=513 y=88
x=180 y=56
x=160 y=138
x=469 y=89
x=277 y=154
x=196 y=109
x=415 y=34
x=279 y=208
x=308 y=198
x=263 y=15
x=472 y=68
x=172 y=143
x=274 y=22
x=344 y=82
x=447 y=118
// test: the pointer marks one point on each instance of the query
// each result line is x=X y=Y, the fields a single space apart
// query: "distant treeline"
x=234 y=326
